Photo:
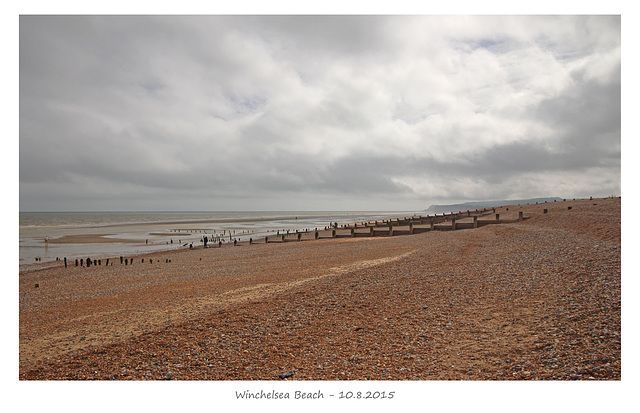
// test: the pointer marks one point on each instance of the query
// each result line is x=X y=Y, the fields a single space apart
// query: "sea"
x=141 y=232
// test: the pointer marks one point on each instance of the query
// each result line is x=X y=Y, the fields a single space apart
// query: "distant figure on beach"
x=46 y=238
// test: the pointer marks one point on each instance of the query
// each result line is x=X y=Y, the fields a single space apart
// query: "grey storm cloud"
x=316 y=112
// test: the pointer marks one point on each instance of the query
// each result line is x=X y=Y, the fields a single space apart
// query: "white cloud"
x=251 y=109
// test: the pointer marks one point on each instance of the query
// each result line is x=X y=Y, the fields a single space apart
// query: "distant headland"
x=435 y=209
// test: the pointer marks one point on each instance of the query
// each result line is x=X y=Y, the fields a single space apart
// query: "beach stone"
x=287 y=375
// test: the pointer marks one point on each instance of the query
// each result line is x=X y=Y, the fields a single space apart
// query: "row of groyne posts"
x=406 y=225
x=88 y=262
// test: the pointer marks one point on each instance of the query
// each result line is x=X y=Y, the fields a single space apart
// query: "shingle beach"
x=537 y=299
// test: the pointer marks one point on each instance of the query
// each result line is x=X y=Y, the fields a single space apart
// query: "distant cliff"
x=435 y=209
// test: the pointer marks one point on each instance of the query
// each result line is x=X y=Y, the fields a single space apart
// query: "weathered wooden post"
x=390 y=229
x=353 y=232
x=520 y=217
x=411 y=228
x=333 y=233
x=317 y=235
x=498 y=218
x=453 y=224
x=299 y=236
x=250 y=241
x=432 y=224
x=475 y=221
x=371 y=229
x=235 y=242
x=266 y=240
x=65 y=262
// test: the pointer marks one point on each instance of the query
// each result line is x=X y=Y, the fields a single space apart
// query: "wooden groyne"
x=453 y=221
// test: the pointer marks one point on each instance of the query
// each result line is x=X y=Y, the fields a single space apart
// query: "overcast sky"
x=315 y=113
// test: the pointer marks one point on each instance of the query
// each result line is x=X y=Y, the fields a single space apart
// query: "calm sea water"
x=152 y=231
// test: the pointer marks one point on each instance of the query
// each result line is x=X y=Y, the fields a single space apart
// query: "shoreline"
x=128 y=238
x=195 y=236
x=371 y=294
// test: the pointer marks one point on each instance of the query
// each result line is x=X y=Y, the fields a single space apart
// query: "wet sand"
x=91 y=239
x=531 y=300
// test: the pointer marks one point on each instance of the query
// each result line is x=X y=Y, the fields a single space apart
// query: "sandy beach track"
x=538 y=299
